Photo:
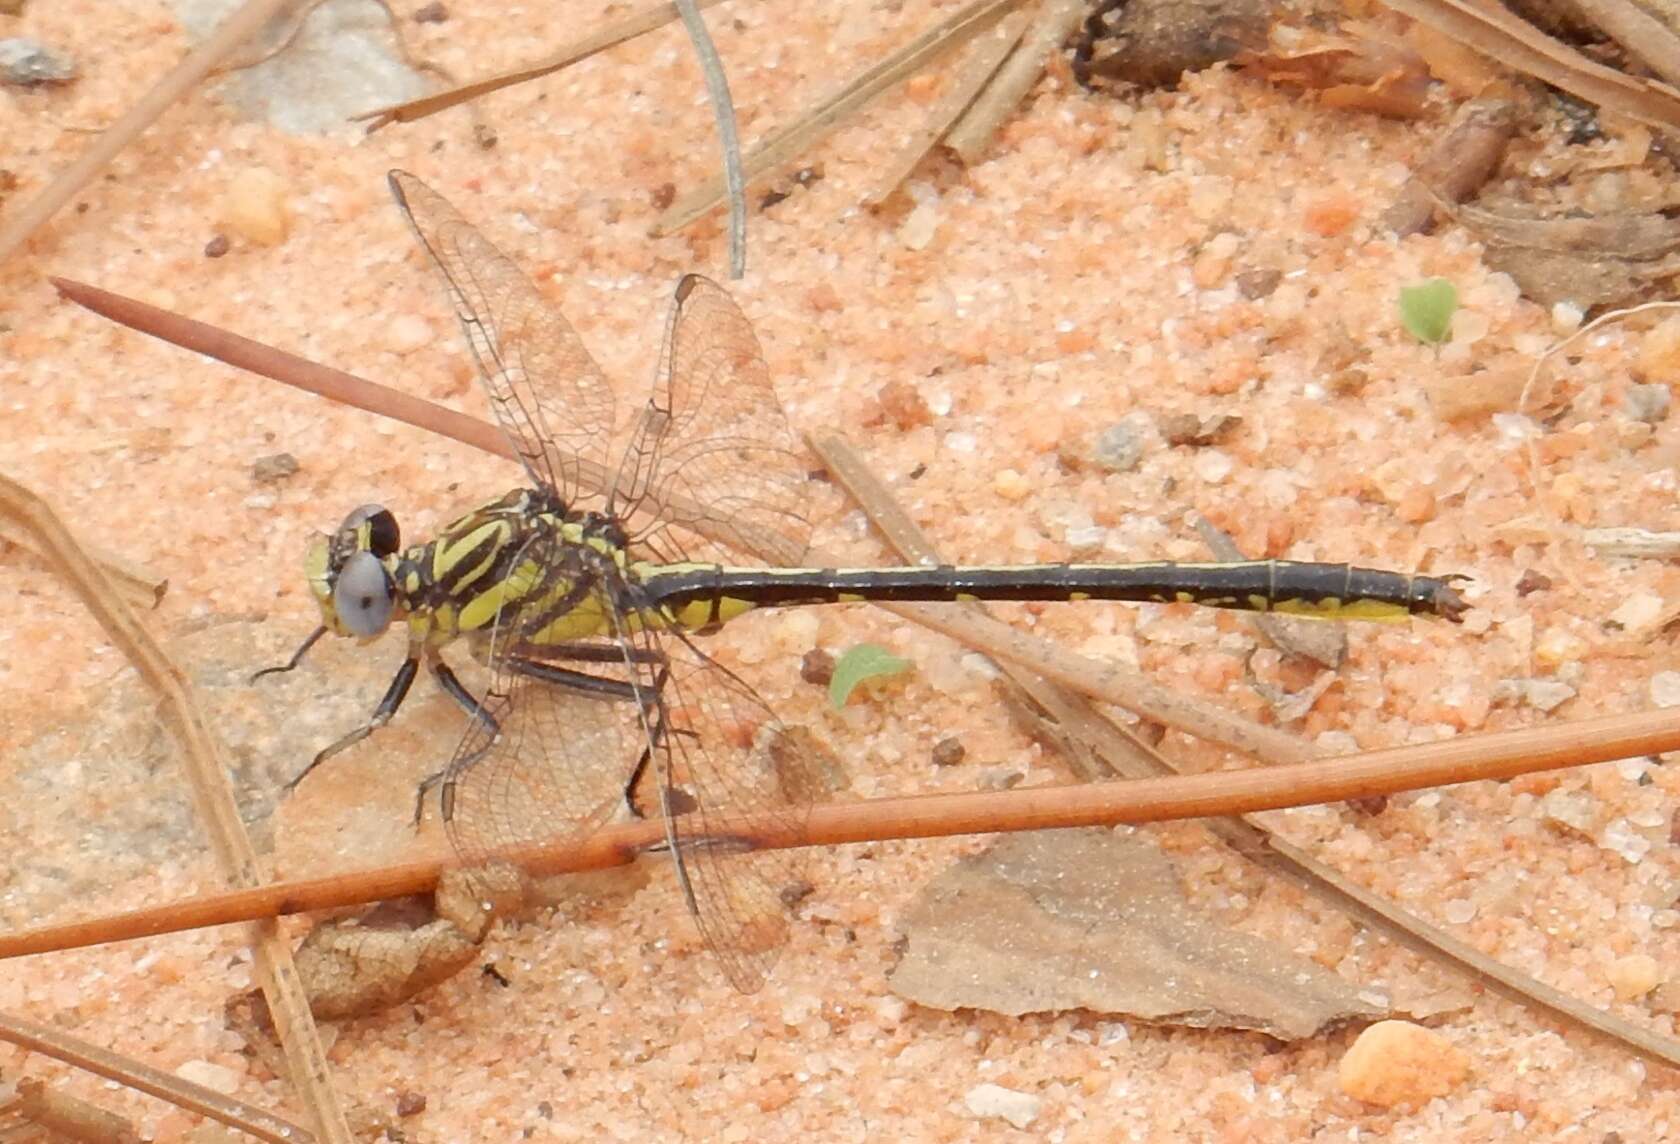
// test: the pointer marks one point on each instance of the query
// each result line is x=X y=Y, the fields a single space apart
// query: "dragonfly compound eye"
x=363 y=595
x=383 y=536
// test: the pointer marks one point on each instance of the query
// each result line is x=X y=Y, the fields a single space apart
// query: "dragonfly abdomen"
x=702 y=595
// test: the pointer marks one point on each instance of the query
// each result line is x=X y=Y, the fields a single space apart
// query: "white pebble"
x=1665 y=689
x=1019 y=1108
x=1213 y=466
x=217 y=1078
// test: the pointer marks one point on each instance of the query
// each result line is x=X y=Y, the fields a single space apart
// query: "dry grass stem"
x=212 y=795
x=234 y=31
x=971 y=138
x=61 y=1046
x=979 y=63
x=1646 y=38
x=634 y=25
x=830 y=112
x=1511 y=41
x=139 y=587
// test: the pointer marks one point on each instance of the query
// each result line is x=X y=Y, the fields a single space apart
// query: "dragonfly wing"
x=722 y=753
x=547 y=392
x=712 y=453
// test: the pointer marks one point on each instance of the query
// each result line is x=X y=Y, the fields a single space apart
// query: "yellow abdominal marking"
x=1379 y=611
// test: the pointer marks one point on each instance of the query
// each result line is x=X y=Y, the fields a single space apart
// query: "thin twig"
x=1645 y=37
x=972 y=73
x=216 y=807
x=632 y=26
x=232 y=32
x=971 y=138
x=140 y=587
x=1505 y=37
x=61 y=1046
x=829 y=113
x=1467 y=758
x=729 y=136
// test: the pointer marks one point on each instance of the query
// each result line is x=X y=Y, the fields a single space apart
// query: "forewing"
x=712 y=454
x=546 y=391
x=717 y=760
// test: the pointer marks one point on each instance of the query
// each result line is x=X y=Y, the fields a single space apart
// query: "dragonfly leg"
x=394 y=696
x=456 y=690
x=548 y=672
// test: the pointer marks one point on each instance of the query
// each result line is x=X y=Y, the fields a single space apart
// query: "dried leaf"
x=1088 y=919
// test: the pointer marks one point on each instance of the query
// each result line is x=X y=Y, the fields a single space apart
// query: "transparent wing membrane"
x=712 y=454
x=546 y=391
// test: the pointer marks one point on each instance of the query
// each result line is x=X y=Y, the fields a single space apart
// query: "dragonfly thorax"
x=459 y=582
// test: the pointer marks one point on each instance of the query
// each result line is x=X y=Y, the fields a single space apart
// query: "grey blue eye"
x=363 y=595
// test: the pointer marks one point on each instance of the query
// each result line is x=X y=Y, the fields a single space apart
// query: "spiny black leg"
x=656 y=734
x=456 y=690
x=394 y=696
x=574 y=680
x=297 y=657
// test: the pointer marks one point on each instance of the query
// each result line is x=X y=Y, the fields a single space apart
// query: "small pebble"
x=1647 y=403
x=1659 y=352
x=919 y=226
x=1633 y=976
x=1010 y=485
x=1531 y=581
x=1566 y=318
x=1254 y=284
x=1569 y=811
x=29 y=63
x=1001 y=777
x=1637 y=614
x=1556 y=647
x=948 y=752
x=433 y=13
x=993 y=1100
x=216 y=247
x=254 y=206
x=1399 y=1063
x=1188 y=429
x=410 y=1103
x=903 y=405
x=217 y=1078
x=817 y=667
x=1118 y=449
x=1665 y=688
x=266 y=470
x=1540 y=694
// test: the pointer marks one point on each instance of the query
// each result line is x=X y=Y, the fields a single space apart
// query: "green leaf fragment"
x=1426 y=309
x=860 y=663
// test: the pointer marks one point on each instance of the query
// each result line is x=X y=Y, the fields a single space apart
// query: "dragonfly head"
x=350 y=573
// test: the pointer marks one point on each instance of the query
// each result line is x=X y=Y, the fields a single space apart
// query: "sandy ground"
x=1085 y=275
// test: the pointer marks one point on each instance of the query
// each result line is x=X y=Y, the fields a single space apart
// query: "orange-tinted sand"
x=1083 y=276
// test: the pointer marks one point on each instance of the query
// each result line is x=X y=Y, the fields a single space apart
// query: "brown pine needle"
x=1468 y=758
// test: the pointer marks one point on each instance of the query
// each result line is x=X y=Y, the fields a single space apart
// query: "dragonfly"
x=588 y=591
